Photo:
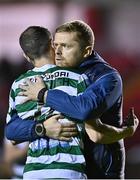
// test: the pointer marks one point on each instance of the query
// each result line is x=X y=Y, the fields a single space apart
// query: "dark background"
x=116 y=27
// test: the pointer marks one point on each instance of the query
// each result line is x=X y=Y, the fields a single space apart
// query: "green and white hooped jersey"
x=49 y=158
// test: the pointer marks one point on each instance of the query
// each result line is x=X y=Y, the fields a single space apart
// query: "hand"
x=56 y=130
x=31 y=89
x=132 y=121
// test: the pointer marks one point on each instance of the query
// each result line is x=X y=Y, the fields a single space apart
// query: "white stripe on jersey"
x=54 y=173
x=68 y=89
x=40 y=144
x=59 y=157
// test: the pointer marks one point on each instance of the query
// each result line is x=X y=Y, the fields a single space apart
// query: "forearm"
x=114 y=134
x=77 y=107
x=106 y=134
x=96 y=99
x=20 y=130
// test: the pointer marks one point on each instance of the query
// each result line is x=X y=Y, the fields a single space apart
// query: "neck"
x=43 y=61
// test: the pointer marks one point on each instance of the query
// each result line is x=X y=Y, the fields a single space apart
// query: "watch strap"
x=40 y=96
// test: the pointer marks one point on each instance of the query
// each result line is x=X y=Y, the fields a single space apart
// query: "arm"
x=105 y=134
x=96 y=99
x=17 y=129
x=21 y=130
x=14 y=153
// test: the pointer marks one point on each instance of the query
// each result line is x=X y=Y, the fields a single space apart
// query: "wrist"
x=40 y=96
x=128 y=131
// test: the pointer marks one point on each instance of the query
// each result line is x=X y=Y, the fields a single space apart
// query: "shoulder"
x=28 y=74
x=22 y=77
x=102 y=71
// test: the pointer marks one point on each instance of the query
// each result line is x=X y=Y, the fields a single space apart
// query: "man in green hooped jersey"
x=47 y=157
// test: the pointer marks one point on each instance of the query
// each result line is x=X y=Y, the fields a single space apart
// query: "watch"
x=40 y=129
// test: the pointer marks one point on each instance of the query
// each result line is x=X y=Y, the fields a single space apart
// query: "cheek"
x=72 y=61
x=68 y=56
x=71 y=57
x=76 y=58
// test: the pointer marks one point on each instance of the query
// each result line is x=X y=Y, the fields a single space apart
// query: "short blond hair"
x=84 y=32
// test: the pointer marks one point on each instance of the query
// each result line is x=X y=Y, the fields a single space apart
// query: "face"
x=67 y=50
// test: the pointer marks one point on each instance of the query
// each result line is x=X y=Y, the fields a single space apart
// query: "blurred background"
x=116 y=27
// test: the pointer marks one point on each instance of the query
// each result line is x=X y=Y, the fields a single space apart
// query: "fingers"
x=23 y=87
x=69 y=135
x=68 y=124
x=28 y=81
x=65 y=139
x=136 y=121
x=67 y=132
x=60 y=130
x=38 y=79
x=132 y=119
x=131 y=112
x=23 y=93
x=58 y=116
x=26 y=99
x=69 y=129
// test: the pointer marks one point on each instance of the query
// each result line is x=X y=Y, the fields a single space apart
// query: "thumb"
x=136 y=121
x=131 y=112
x=58 y=116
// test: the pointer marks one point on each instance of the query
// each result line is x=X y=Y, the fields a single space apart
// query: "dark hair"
x=85 y=34
x=35 y=41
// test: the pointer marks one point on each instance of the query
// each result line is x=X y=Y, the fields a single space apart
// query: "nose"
x=58 y=50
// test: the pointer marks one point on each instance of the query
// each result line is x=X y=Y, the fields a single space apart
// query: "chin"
x=60 y=64
x=57 y=63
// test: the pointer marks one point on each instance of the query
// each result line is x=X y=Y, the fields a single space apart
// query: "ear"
x=26 y=57
x=87 y=51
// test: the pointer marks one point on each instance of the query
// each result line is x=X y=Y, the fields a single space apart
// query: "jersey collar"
x=43 y=68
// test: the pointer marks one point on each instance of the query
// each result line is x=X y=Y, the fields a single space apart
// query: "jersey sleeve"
x=18 y=129
x=95 y=100
x=11 y=109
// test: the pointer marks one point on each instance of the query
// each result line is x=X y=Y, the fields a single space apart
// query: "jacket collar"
x=93 y=59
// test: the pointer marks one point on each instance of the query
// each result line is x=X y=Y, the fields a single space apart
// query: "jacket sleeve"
x=96 y=99
x=20 y=130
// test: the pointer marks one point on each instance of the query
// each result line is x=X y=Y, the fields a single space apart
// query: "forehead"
x=65 y=37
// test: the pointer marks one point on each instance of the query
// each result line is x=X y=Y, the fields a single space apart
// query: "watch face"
x=39 y=129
